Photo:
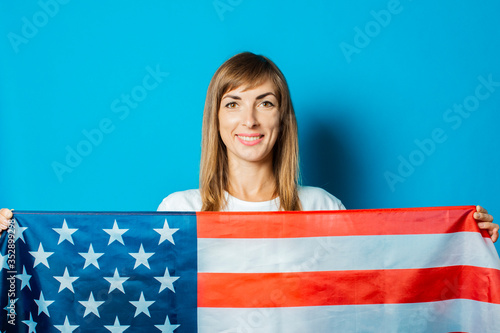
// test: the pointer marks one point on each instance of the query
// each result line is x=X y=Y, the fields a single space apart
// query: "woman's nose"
x=250 y=119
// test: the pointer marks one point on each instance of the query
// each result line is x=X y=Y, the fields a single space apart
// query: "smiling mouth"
x=249 y=138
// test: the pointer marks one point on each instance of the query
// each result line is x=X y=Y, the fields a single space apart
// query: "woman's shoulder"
x=316 y=198
x=182 y=201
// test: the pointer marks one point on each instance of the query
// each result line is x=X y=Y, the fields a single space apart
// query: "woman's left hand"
x=485 y=221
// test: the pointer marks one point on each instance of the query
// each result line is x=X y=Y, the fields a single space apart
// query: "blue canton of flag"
x=99 y=272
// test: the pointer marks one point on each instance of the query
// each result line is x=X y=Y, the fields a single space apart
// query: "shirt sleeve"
x=315 y=198
x=184 y=201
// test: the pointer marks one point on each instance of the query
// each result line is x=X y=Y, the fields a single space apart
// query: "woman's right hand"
x=5 y=216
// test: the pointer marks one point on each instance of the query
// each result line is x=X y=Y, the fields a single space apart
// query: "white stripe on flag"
x=344 y=253
x=444 y=316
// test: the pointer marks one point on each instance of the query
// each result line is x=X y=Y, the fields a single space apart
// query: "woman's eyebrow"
x=264 y=95
x=258 y=97
x=232 y=96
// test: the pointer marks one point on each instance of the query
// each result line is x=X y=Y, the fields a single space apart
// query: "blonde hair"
x=249 y=70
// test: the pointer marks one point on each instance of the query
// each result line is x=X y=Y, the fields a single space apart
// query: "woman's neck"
x=252 y=181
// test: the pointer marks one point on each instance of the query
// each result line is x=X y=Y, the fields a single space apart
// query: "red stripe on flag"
x=248 y=290
x=436 y=220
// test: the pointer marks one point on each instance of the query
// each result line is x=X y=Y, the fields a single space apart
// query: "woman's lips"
x=250 y=139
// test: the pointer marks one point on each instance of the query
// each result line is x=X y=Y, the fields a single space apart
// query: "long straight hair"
x=249 y=70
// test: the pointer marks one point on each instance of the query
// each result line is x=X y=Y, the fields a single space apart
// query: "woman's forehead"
x=267 y=85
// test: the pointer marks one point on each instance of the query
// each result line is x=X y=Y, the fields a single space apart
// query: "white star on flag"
x=18 y=231
x=167 y=327
x=141 y=257
x=166 y=233
x=66 y=281
x=65 y=233
x=43 y=305
x=9 y=307
x=142 y=305
x=25 y=278
x=166 y=281
x=66 y=327
x=116 y=282
x=117 y=328
x=31 y=324
x=41 y=256
x=115 y=234
x=91 y=306
x=4 y=261
x=91 y=257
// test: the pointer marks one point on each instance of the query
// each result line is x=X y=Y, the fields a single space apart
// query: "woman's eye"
x=267 y=104
x=231 y=105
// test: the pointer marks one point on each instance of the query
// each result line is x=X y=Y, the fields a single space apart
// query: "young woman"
x=249 y=158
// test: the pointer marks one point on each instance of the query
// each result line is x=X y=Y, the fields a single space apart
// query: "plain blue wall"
x=372 y=83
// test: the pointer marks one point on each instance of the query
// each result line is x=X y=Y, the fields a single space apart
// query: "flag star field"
x=104 y=273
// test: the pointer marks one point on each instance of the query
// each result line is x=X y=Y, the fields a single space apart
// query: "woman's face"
x=249 y=123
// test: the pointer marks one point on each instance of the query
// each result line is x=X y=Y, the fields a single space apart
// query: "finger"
x=494 y=232
x=7 y=213
x=480 y=209
x=492 y=228
x=481 y=214
x=487 y=225
x=4 y=223
x=483 y=217
x=494 y=237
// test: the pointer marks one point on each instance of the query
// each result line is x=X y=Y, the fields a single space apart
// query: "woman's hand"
x=485 y=221
x=5 y=216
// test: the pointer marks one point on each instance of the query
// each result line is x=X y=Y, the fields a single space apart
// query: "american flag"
x=387 y=270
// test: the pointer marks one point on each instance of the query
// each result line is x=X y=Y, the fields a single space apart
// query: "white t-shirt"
x=311 y=198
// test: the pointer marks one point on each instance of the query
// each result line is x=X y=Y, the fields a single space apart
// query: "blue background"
x=65 y=64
